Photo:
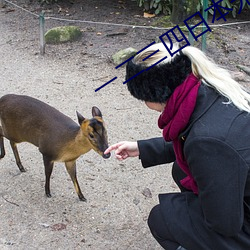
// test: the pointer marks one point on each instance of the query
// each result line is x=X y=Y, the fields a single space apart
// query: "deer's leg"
x=18 y=161
x=1 y=144
x=71 y=168
x=48 y=165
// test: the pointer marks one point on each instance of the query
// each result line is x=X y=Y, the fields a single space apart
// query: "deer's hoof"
x=82 y=198
x=48 y=195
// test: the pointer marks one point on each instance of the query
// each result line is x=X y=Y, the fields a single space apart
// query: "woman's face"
x=156 y=106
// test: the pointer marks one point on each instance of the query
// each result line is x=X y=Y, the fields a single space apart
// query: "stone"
x=147 y=193
x=239 y=76
x=123 y=55
x=63 y=34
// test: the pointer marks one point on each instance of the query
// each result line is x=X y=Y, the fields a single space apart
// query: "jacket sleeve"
x=155 y=151
x=220 y=173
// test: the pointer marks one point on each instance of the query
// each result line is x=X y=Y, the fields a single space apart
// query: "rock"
x=239 y=76
x=123 y=55
x=2 y=3
x=45 y=225
x=62 y=34
x=136 y=201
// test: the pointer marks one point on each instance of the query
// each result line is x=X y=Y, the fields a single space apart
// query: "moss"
x=123 y=55
x=63 y=34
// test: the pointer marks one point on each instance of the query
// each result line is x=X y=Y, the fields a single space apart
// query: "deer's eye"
x=91 y=136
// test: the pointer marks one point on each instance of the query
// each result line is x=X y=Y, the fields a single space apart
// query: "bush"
x=47 y=1
x=165 y=6
x=157 y=6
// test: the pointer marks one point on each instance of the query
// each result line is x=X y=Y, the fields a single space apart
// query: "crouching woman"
x=205 y=120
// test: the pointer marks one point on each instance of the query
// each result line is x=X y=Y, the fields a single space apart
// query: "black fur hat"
x=157 y=83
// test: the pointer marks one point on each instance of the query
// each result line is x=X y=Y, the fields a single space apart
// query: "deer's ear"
x=80 y=118
x=96 y=112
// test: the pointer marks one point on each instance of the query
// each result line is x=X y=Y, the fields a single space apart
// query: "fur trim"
x=159 y=82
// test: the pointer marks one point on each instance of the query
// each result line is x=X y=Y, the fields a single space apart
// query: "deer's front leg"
x=71 y=168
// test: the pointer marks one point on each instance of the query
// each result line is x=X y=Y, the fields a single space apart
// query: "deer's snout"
x=106 y=156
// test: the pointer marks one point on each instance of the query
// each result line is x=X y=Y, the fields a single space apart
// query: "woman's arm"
x=155 y=151
x=124 y=149
x=151 y=152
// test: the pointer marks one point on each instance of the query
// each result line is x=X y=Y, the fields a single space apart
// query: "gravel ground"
x=119 y=195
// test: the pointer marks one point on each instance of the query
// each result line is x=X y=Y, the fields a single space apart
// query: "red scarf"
x=175 y=118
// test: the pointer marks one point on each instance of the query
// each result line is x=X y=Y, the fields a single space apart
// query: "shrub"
x=157 y=6
x=165 y=6
x=47 y=1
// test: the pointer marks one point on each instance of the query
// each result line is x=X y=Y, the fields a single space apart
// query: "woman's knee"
x=153 y=218
x=159 y=229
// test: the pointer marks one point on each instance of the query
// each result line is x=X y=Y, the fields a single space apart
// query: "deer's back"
x=24 y=118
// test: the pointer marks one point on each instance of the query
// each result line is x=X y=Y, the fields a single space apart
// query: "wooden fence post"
x=42 y=32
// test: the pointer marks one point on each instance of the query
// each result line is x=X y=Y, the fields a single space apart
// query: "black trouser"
x=156 y=221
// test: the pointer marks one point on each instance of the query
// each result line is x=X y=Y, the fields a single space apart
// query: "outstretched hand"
x=124 y=150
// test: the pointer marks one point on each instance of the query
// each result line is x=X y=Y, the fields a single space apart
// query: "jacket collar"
x=205 y=99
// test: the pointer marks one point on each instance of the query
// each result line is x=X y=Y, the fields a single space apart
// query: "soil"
x=119 y=195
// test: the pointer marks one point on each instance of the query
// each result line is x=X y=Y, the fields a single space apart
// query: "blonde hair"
x=203 y=68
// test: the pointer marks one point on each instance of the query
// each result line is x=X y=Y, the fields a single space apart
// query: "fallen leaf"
x=147 y=15
x=147 y=193
x=58 y=227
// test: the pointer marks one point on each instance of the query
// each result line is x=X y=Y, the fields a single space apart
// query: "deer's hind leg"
x=48 y=164
x=18 y=161
x=1 y=144
x=71 y=168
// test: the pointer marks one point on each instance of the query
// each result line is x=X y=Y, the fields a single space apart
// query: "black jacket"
x=216 y=145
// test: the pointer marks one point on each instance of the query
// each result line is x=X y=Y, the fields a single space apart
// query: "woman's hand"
x=124 y=150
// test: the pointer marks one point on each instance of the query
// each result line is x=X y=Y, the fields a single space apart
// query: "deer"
x=58 y=138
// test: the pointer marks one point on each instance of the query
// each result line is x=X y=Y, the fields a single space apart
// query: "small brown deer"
x=59 y=139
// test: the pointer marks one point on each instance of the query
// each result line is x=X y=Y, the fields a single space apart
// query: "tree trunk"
x=182 y=9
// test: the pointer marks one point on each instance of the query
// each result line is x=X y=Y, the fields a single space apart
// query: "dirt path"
x=115 y=214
